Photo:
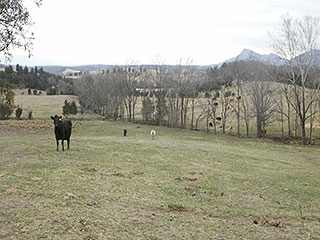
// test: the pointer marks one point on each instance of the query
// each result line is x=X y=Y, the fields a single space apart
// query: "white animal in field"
x=153 y=133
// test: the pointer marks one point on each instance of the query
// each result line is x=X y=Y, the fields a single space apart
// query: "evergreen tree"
x=6 y=99
x=69 y=108
x=66 y=108
x=73 y=108
x=25 y=70
x=9 y=70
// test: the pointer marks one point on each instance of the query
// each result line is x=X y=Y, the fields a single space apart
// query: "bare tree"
x=194 y=101
x=159 y=78
x=204 y=109
x=246 y=109
x=261 y=94
x=130 y=78
x=15 y=23
x=237 y=71
x=296 y=43
x=214 y=106
x=101 y=93
x=225 y=107
x=183 y=77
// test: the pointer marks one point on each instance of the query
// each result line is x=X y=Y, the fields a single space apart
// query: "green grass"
x=45 y=106
x=48 y=105
x=182 y=185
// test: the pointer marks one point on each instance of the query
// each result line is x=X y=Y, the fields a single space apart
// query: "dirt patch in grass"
x=271 y=222
x=90 y=169
x=112 y=173
x=194 y=173
x=190 y=179
x=176 y=208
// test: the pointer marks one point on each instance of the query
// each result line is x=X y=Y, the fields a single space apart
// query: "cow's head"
x=56 y=120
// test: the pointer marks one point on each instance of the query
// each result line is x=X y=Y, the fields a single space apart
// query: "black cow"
x=62 y=130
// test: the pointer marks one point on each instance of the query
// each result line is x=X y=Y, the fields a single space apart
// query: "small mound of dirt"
x=90 y=169
x=118 y=174
x=271 y=222
x=194 y=173
x=190 y=179
x=177 y=208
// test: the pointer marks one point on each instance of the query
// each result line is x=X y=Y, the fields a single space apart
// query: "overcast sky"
x=78 y=32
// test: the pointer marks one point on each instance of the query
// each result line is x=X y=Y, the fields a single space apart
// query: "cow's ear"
x=52 y=118
x=60 y=118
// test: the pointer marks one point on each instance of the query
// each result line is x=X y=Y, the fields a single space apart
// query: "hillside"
x=182 y=185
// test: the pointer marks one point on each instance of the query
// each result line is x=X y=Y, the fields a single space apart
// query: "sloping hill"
x=181 y=185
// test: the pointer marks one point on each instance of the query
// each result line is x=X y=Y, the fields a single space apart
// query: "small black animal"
x=218 y=118
x=62 y=130
x=210 y=124
x=125 y=131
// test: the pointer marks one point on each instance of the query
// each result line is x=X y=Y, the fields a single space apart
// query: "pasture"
x=181 y=185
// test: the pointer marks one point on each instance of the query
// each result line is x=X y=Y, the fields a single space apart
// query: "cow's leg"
x=57 y=144
x=62 y=144
x=68 y=141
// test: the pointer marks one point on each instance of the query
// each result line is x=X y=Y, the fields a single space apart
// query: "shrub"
x=69 y=108
x=5 y=111
x=29 y=115
x=52 y=90
x=18 y=113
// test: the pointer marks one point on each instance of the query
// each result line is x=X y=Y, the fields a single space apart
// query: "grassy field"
x=181 y=185
x=42 y=106
x=46 y=105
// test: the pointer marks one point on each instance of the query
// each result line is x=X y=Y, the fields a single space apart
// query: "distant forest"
x=36 y=78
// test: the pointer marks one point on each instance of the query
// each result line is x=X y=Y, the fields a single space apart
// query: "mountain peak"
x=246 y=50
x=249 y=55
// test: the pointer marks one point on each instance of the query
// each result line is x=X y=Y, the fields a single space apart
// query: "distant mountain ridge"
x=82 y=68
x=245 y=55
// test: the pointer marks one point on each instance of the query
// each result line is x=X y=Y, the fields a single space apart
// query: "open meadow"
x=181 y=185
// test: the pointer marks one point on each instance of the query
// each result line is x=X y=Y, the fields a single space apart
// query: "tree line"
x=32 y=78
x=248 y=92
x=244 y=92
